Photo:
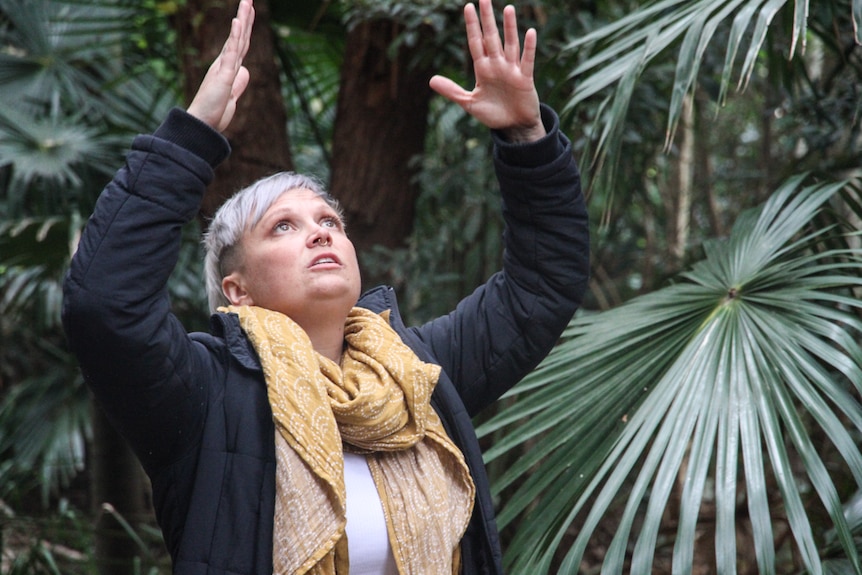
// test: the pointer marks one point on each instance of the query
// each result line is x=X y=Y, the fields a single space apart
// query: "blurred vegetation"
x=672 y=153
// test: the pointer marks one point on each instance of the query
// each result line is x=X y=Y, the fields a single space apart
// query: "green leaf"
x=696 y=42
x=857 y=20
x=743 y=354
x=764 y=18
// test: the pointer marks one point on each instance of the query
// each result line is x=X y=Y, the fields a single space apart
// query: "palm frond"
x=48 y=149
x=73 y=93
x=34 y=253
x=134 y=105
x=857 y=20
x=44 y=424
x=61 y=46
x=750 y=352
x=628 y=46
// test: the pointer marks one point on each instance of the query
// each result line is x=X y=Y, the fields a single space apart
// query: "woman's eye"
x=282 y=226
x=330 y=223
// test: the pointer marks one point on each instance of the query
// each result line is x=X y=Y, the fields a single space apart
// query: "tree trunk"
x=380 y=127
x=703 y=167
x=116 y=485
x=685 y=168
x=258 y=133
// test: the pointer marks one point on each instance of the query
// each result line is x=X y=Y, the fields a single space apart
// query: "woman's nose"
x=320 y=237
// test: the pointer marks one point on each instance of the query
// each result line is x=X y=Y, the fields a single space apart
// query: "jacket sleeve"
x=501 y=331
x=133 y=352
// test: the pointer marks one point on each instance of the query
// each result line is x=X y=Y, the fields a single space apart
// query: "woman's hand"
x=227 y=78
x=505 y=96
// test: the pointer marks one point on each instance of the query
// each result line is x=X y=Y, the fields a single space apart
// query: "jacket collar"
x=226 y=326
x=379 y=299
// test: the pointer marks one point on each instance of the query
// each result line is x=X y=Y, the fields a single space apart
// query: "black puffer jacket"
x=194 y=406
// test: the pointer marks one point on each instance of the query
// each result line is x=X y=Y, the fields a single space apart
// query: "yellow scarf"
x=375 y=403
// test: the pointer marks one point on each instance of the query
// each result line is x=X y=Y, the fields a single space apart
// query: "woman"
x=312 y=431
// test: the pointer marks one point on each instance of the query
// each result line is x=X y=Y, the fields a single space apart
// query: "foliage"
x=71 y=102
x=751 y=351
x=75 y=92
x=60 y=544
x=80 y=77
x=457 y=237
x=621 y=51
x=411 y=14
x=44 y=418
x=310 y=63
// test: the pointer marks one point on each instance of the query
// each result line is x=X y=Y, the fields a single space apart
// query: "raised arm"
x=135 y=355
x=508 y=325
x=504 y=97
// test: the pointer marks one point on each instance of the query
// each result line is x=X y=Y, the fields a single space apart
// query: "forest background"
x=702 y=412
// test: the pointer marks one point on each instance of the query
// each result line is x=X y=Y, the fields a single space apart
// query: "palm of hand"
x=504 y=96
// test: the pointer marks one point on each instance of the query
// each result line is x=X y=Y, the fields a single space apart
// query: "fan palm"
x=43 y=419
x=70 y=104
x=729 y=371
x=680 y=394
x=732 y=38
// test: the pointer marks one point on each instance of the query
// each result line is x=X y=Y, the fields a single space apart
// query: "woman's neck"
x=327 y=340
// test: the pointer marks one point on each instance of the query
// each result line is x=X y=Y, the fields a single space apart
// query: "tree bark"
x=258 y=132
x=703 y=167
x=685 y=169
x=380 y=127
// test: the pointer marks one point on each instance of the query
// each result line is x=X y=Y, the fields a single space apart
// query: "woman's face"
x=298 y=261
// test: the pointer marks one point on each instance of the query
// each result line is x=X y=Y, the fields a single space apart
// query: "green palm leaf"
x=34 y=253
x=61 y=46
x=74 y=89
x=76 y=86
x=621 y=51
x=48 y=149
x=44 y=426
x=747 y=353
x=857 y=20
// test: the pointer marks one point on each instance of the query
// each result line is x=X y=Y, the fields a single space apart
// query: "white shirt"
x=368 y=545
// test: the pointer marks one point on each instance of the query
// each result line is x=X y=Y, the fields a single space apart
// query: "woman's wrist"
x=525 y=134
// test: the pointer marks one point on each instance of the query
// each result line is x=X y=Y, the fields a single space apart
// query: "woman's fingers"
x=490 y=35
x=227 y=78
x=236 y=46
x=474 y=32
x=528 y=59
x=449 y=89
x=510 y=34
x=245 y=14
x=483 y=37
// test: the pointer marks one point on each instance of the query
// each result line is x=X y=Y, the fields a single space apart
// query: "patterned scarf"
x=376 y=403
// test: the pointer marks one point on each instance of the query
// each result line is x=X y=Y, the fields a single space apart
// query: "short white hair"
x=240 y=213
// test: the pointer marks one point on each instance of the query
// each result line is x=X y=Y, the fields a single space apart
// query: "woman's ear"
x=233 y=288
